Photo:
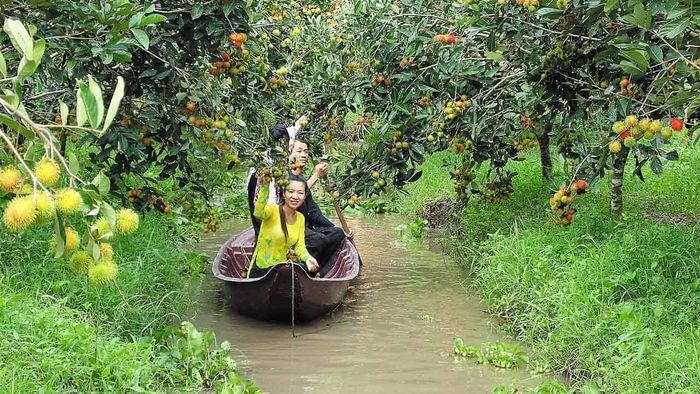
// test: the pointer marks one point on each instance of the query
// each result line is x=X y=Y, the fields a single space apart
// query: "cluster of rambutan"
x=445 y=38
x=563 y=198
x=632 y=129
x=454 y=108
x=39 y=206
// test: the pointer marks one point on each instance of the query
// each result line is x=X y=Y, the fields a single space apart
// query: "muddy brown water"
x=392 y=334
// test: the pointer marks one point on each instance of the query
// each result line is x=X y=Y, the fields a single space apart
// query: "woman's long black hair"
x=283 y=220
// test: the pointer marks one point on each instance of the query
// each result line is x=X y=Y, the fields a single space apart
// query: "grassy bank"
x=61 y=334
x=612 y=302
x=150 y=290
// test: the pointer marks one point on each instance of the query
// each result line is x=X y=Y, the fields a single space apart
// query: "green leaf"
x=497 y=56
x=642 y=16
x=102 y=183
x=674 y=28
x=3 y=66
x=656 y=53
x=16 y=126
x=141 y=37
x=39 y=49
x=60 y=233
x=97 y=92
x=680 y=98
x=611 y=5
x=551 y=13
x=114 y=104
x=148 y=73
x=80 y=114
x=135 y=19
x=26 y=68
x=20 y=37
x=152 y=19
x=73 y=163
x=656 y=165
x=63 y=109
x=90 y=104
x=639 y=57
x=197 y=11
x=108 y=212
x=631 y=68
x=93 y=248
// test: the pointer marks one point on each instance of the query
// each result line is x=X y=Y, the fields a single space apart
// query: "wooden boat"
x=270 y=297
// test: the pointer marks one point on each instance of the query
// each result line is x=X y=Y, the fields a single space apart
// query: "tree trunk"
x=618 y=178
x=545 y=156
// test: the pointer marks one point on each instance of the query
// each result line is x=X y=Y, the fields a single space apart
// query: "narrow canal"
x=393 y=333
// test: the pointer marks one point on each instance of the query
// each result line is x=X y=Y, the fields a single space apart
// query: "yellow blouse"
x=272 y=247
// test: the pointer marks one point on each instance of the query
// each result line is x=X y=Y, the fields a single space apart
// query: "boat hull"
x=286 y=291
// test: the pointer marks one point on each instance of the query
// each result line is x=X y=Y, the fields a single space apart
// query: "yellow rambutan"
x=19 y=213
x=72 y=241
x=68 y=201
x=81 y=262
x=127 y=221
x=102 y=226
x=45 y=206
x=107 y=251
x=47 y=172
x=9 y=178
x=655 y=126
x=102 y=274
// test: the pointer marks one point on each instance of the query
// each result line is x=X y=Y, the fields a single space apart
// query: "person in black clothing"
x=323 y=238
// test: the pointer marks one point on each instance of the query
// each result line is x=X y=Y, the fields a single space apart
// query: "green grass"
x=433 y=185
x=62 y=335
x=48 y=347
x=151 y=289
x=614 y=303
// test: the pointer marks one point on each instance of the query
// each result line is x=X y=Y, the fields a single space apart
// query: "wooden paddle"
x=344 y=224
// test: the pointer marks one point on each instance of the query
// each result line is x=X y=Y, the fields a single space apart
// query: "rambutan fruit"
x=68 y=201
x=127 y=221
x=45 y=206
x=9 y=178
x=81 y=262
x=676 y=124
x=101 y=274
x=619 y=127
x=72 y=240
x=102 y=226
x=107 y=251
x=19 y=213
x=655 y=126
x=645 y=123
x=47 y=172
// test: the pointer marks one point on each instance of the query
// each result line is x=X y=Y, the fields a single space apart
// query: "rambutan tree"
x=483 y=77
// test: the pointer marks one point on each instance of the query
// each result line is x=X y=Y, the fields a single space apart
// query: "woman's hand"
x=349 y=234
x=321 y=169
x=312 y=264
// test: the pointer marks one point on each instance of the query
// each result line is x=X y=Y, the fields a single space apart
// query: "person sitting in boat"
x=282 y=227
x=323 y=238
